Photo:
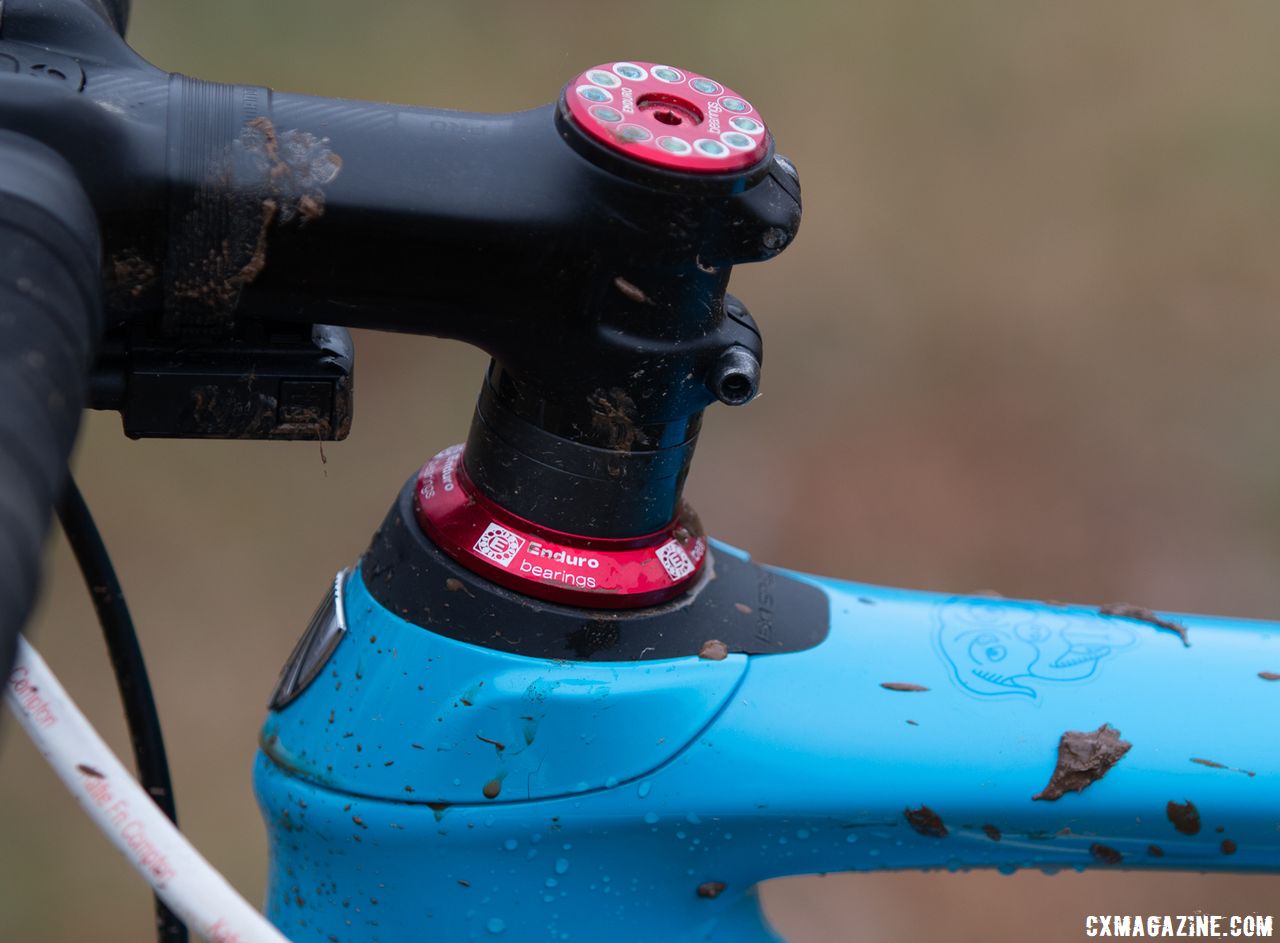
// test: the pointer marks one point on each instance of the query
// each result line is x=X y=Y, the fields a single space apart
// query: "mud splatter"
x=90 y=771
x=902 y=686
x=1105 y=854
x=1269 y=675
x=1123 y=610
x=1184 y=816
x=630 y=291
x=1083 y=759
x=613 y=420
x=991 y=832
x=128 y=275
x=296 y=166
x=492 y=788
x=455 y=585
x=1228 y=846
x=1155 y=851
x=713 y=650
x=925 y=821
x=1214 y=764
x=711 y=889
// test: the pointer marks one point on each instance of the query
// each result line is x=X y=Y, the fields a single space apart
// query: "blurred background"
x=1027 y=341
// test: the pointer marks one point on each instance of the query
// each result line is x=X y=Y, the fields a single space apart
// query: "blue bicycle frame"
x=423 y=788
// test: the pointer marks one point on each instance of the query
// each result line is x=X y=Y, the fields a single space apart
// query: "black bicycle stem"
x=237 y=223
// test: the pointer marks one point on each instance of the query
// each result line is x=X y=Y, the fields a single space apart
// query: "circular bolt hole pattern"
x=668 y=117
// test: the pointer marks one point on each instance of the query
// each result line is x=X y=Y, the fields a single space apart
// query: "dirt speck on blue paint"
x=1184 y=816
x=1105 y=854
x=925 y=821
x=1123 y=610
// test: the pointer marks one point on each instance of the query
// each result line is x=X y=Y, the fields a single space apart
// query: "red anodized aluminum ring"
x=594 y=572
x=670 y=118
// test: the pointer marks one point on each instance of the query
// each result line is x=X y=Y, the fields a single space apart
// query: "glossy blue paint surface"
x=403 y=714
x=706 y=773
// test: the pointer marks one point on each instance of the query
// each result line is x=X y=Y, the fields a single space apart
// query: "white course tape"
x=124 y=812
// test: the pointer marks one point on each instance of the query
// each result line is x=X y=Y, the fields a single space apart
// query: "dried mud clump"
x=925 y=821
x=1184 y=816
x=1083 y=759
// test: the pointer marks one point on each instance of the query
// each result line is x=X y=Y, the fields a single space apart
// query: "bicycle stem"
x=595 y=281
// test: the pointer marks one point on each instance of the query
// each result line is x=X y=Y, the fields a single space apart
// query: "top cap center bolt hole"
x=669 y=109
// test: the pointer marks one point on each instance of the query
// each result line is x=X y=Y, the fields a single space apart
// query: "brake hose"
x=130 y=670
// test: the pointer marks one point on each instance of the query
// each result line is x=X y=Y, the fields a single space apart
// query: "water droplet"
x=802 y=833
x=548 y=898
x=643 y=789
x=680 y=835
x=651 y=818
x=728 y=836
x=851 y=839
x=693 y=819
x=1007 y=868
x=495 y=925
x=562 y=865
x=568 y=846
x=457 y=781
x=511 y=844
x=533 y=853
x=874 y=852
x=782 y=839
x=535 y=837
x=551 y=882
x=611 y=782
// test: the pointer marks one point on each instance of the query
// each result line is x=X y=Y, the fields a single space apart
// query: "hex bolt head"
x=735 y=377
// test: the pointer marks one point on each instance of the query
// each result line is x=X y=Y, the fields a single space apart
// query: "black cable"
x=130 y=670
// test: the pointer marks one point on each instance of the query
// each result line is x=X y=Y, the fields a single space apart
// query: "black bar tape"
x=50 y=321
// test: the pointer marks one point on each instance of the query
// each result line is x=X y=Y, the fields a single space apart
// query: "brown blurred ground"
x=1027 y=340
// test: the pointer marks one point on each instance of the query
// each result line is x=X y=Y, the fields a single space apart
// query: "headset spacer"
x=592 y=572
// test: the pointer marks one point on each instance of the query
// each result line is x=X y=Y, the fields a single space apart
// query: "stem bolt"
x=735 y=377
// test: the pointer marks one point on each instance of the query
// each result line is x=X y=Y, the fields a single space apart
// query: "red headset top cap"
x=667 y=117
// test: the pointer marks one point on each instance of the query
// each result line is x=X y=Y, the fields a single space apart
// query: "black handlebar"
x=50 y=322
